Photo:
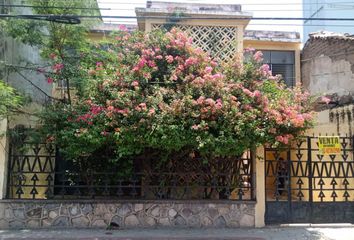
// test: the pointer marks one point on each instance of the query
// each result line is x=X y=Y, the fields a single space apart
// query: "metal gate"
x=304 y=186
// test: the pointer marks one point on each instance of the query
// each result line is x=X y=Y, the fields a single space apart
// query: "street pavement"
x=268 y=233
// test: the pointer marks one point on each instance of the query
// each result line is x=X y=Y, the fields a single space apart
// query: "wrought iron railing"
x=33 y=175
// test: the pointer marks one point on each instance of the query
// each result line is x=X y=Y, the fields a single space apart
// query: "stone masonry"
x=18 y=214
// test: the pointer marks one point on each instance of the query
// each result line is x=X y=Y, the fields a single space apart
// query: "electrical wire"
x=123 y=9
x=114 y=2
x=67 y=19
x=51 y=7
x=77 y=17
x=122 y=22
x=341 y=7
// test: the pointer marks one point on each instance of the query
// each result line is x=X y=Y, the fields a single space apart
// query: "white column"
x=3 y=158
x=258 y=162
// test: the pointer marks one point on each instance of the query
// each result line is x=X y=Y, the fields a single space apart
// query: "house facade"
x=221 y=30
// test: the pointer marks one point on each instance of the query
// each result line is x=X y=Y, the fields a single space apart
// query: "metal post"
x=309 y=167
x=9 y=182
x=289 y=184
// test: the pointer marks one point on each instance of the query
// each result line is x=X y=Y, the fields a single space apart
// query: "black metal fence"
x=303 y=185
x=33 y=174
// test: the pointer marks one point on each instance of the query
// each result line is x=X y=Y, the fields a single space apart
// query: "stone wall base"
x=17 y=214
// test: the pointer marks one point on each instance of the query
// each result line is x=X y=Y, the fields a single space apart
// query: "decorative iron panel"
x=303 y=185
x=32 y=175
x=31 y=170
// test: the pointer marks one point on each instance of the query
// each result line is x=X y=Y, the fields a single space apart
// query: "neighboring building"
x=327 y=9
x=328 y=69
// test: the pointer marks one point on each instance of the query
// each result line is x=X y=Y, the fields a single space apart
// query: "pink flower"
x=265 y=70
x=50 y=80
x=191 y=61
x=140 y=65
x=57 y=67
x=208 y=69
x=95 y=109
x=279 y=138
x=257 y=93
x=151 y=112
x=110 y=108
x=169 y=58
x=200 y=100
x=248 y=92
x=195 y=127
x=52 y=56
x=135 y=83
x=258 y=56
x=273 y=130
x=325 y=100
x=151 y=64
x=99 y=64
x=249 y=50
x=284 y=139
x=210 y=101
x=123 y=28
x=218 y=104
x=298 y=121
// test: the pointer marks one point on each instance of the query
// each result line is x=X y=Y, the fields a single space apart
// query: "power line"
x=242 y=4
x=67 y=19
x=245 y=4
x=64 y=17
x=132 y=9
x=51 y=7
x=117 y=22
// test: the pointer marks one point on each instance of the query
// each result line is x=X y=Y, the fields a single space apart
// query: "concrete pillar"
x=297 y=66
x=3 y=158
x=258 y=161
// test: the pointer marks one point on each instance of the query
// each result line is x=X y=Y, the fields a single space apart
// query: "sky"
x=259 y=8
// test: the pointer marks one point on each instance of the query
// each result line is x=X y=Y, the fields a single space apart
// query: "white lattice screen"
x=219 y=41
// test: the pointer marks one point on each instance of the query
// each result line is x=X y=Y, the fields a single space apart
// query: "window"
x=283 y=63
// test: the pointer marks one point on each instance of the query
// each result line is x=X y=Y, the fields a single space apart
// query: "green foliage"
x=60 y=44
x=28 y=32
x=10 y=100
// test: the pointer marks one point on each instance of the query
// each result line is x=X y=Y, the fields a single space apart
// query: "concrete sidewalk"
x=269 y=233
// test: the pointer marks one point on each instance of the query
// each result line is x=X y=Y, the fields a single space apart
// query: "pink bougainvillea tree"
x=156 y=92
